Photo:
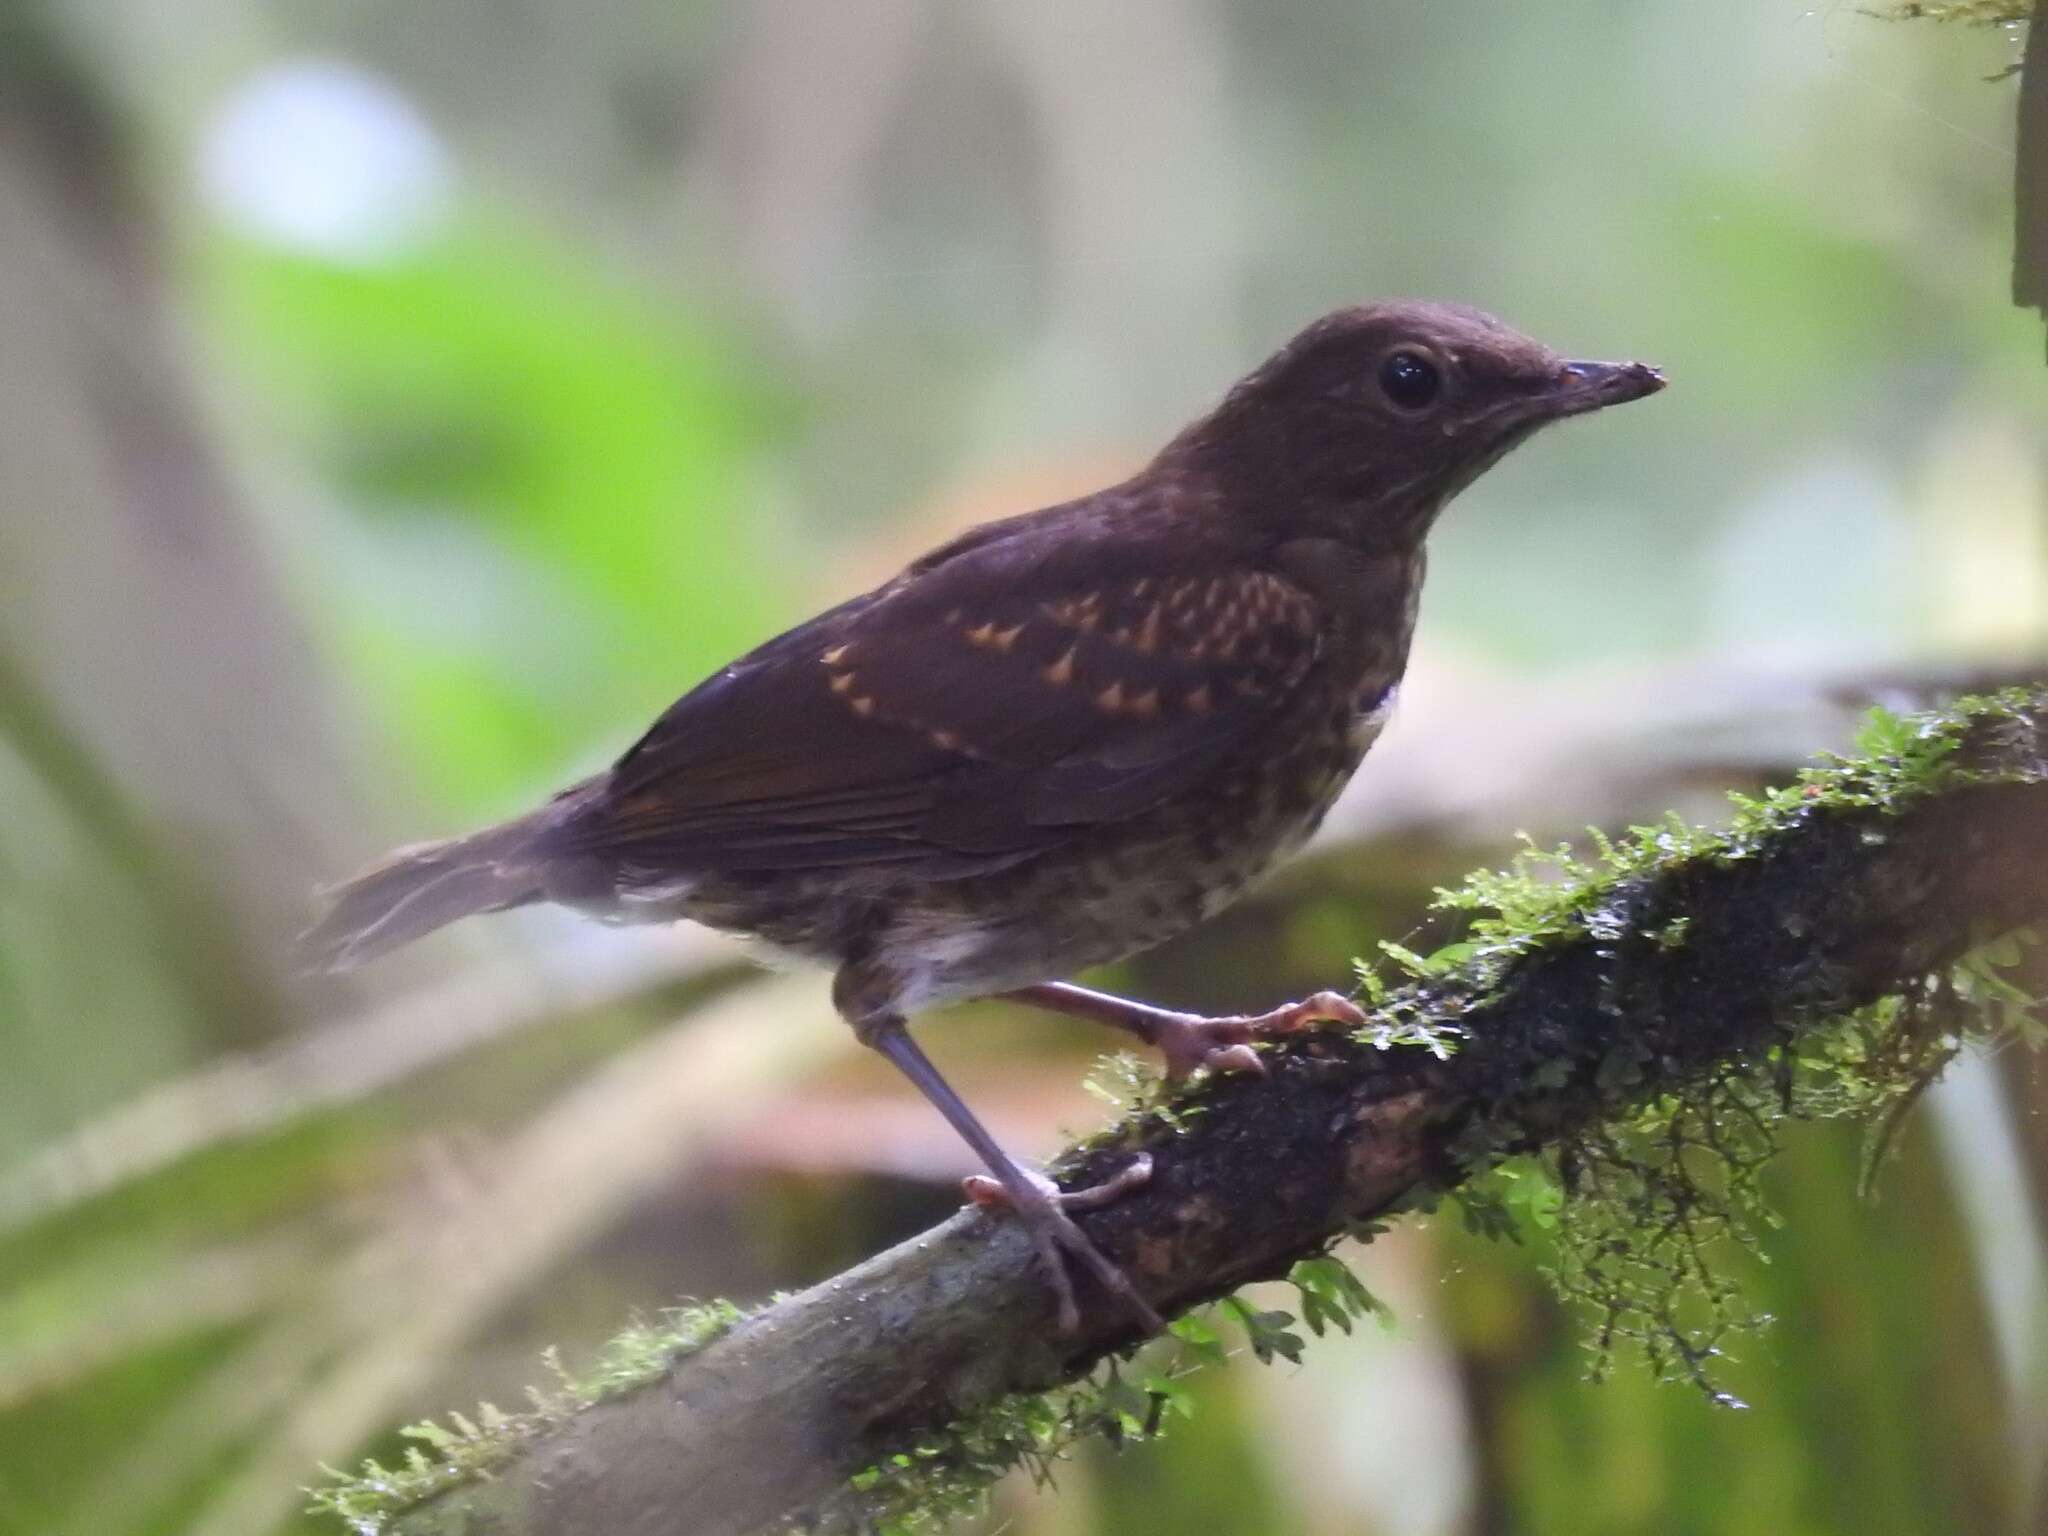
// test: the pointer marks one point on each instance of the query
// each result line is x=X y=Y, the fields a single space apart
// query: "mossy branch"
x=1641 y=1021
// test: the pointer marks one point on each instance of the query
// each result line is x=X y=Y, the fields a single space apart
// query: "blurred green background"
x=399 y=404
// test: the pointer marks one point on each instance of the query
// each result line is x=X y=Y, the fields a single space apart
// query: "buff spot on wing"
x=863 y=706
x=1111 y=699
x=1200 y=701
x=1084 y=613
x=836 y=655
x=1061 y=672
x=842 y=682
x=1145 y=706
x=989 y=638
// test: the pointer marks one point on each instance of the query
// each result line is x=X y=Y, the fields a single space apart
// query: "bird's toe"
x=1042 y=1207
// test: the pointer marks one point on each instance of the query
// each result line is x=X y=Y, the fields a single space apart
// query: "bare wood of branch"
x=1829 y=909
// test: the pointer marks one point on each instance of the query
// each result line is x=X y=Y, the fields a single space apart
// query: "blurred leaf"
x=52 y=1452
x=1840 y=313
x=553 y=482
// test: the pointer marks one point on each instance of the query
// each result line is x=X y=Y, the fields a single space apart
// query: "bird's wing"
x=990 y=702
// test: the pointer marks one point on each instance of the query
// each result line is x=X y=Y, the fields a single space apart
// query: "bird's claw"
x=1319 y=1008
x=1042 y=1207
x=1190 y=1042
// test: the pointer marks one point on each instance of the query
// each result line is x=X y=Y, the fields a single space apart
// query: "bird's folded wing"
x=962 y=717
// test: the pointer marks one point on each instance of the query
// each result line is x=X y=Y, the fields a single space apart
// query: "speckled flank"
x=924 y=942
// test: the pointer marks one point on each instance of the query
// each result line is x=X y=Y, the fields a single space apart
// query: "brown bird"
x=1056 y=740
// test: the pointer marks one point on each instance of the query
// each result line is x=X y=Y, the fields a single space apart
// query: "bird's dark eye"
x=1410 y=380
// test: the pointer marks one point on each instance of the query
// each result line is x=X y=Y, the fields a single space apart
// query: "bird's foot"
x=1189 y=1041
x=1042 y=1207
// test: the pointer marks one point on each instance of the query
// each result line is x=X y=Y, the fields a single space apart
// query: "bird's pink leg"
x=1038 y=1203
x=1190 y=1040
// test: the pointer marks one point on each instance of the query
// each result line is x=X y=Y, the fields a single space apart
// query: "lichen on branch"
x=1624 y=1033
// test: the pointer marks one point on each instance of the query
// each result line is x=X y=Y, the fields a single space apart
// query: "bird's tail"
x=412 y=891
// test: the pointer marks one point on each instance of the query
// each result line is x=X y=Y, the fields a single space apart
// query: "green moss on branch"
x=1640 y=1022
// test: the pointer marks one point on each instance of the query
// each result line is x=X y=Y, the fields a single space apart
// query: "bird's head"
x=1375 y=416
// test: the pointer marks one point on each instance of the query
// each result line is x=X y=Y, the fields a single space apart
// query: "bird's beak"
x=1583 y=387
